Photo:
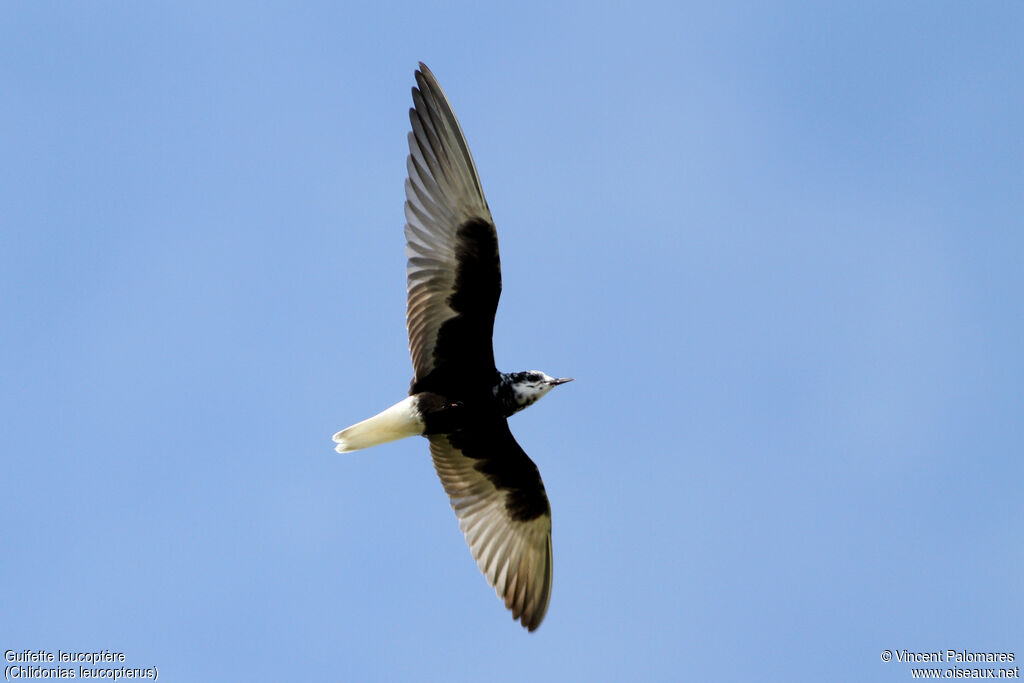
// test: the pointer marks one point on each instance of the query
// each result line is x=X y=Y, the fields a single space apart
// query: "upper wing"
x=454 y=271
x=498 y=496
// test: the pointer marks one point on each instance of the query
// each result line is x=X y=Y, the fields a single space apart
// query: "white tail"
x=397 y=422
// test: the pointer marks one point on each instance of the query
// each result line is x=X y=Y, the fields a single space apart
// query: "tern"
x=458 y=399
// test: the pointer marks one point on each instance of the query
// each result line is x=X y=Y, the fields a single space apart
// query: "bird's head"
x=530 y=386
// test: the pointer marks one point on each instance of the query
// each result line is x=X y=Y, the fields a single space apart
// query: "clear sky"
x=780 y=246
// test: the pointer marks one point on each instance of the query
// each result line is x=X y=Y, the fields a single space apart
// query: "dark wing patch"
x=454 y=270
x=463 y=357
x=500 y=458
x=498 y=496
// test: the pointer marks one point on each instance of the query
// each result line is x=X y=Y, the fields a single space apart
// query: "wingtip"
x=425 y=78
x=531 y=619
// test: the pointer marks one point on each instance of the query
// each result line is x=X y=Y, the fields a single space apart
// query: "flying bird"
x=458 y=399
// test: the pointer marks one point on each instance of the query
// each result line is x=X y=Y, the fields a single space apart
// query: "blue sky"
x=780 y=248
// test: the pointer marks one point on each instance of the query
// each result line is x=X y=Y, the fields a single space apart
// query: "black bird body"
x=458 y=399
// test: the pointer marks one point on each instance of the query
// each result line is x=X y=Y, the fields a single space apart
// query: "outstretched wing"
x=499 y=498
x=454 y=271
